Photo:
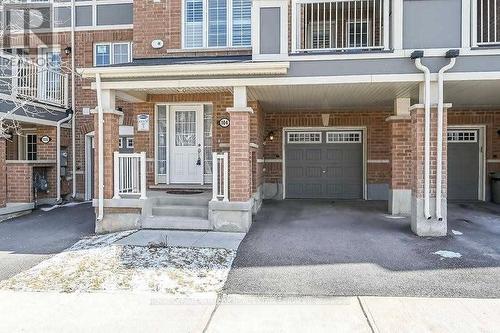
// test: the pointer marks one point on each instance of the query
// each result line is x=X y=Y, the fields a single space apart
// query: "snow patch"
x=96 y=263
x=448 y=254
x=69 y=204
x=456 y=232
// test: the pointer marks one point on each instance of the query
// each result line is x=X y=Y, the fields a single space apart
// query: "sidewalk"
x=156 y=312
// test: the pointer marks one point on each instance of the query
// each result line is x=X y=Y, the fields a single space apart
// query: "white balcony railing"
x=129 y=175
x=220 y=180
x=34 y=82
x=336 y=25
x=486 y=19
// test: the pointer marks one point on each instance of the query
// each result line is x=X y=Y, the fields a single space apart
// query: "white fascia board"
x=251 y=68
x=284 y=81
x=32 y=120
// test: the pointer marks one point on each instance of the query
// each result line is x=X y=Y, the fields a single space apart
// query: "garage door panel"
x=327 y=169
x=313 y=155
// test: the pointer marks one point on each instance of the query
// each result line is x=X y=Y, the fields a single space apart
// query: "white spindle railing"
x=220 y=181
x=40 y=83
x=485 y=17
x=342 y=25
x=129 y=174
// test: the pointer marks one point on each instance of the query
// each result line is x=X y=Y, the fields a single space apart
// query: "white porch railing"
x=39 y=83
x=336 y=25
x=486 y=17
x=220 y=181
x=129 y=174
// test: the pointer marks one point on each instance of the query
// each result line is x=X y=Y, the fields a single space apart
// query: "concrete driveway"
x=354 y=248
x=27 y=240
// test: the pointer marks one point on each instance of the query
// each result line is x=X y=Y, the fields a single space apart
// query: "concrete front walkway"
x=301 y=247
x=156 y=312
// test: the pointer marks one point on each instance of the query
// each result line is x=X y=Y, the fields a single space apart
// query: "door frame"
x=363 y=131
x=481 y=155
x=202 y=142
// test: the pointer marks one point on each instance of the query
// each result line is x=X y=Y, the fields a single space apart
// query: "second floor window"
x=106 y=54
x=226 y=23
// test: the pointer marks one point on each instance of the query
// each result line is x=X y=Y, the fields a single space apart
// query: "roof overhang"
x=184 y=70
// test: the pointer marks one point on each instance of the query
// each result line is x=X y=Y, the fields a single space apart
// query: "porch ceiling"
x=359 y=95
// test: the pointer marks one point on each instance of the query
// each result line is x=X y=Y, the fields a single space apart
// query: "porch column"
x=420 y=224
x=111 y=124
x=236 y=214
x=240 y=168
x=400 y=159
x=3 y=167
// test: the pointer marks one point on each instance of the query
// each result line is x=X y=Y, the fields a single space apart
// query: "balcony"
x=486 y=14
x=340 y=26
x=27 y=80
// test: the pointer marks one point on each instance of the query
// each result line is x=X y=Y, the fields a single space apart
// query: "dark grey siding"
x=270 y=30
x=432 y=23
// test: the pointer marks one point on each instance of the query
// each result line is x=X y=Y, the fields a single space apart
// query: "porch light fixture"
x=269 y=136
x=67 y=50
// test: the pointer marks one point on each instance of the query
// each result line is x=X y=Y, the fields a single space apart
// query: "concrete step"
x=181 y=210
x=175 y=222
x=183 y=200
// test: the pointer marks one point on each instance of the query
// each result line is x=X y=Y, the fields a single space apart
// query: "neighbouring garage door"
x=324 y=164
x=463 y=164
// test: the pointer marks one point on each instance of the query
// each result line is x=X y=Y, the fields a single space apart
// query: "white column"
x=386 y=24
x=143 y=175
x=116 y=175
x=397 y=24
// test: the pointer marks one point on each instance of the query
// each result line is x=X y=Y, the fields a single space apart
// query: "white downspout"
x=100 y=145
x=439 y=161
x=427 y=128
x=73 y=98
x=58 y=156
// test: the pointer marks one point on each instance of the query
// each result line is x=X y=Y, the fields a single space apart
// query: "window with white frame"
x=358 y=34
x=130 y=143
x=31 y=151
x=343 y=137
x=106 y=54
x=217 y=23
x=304 y=137
x=462 y=136
x=120 y=143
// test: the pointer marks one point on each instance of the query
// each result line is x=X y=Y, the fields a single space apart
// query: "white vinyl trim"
x=344 y=137
x=363 y=130
x=301 y=137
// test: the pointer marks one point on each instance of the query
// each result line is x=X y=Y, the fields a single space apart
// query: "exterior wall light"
x=67 y=50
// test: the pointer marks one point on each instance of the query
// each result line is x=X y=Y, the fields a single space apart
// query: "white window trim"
x=27 y=144
x=130 y=142
x=120 y=143
x=359 y=133
x=303 y=142
x=111 y=52
x=229 y=27
x=473 y=132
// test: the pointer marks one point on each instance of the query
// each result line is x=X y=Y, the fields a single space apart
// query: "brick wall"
x=162 y=20
x=417 y=142
x=378 y=140
x=3 y=173
x=401 y=154
x=19 y=190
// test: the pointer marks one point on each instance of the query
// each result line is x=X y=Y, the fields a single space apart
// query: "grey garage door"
x=324 y=164
x=463 y=164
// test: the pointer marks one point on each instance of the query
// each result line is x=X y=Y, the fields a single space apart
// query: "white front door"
x=186 y=144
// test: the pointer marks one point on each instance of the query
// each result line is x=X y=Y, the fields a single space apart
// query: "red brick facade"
x=401 y=153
